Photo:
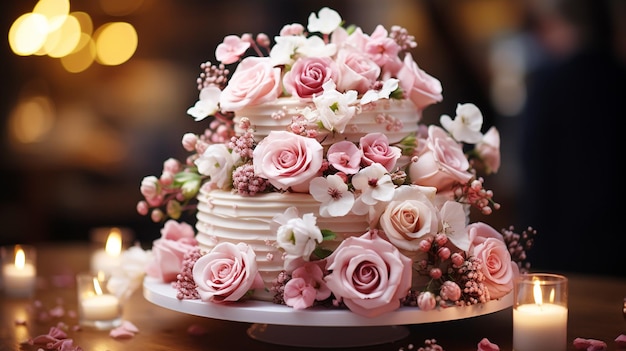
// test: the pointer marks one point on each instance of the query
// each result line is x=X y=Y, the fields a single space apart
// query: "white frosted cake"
x=315 y=182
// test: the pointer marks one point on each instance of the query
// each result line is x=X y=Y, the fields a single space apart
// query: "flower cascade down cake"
x=316 y=183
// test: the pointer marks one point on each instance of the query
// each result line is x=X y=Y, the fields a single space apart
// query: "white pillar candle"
x=107 y=260
x=18 y=272
x=540 y=327
x=100 y=307
x=540 y=313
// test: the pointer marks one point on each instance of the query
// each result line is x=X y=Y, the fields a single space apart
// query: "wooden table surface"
x=595 y=311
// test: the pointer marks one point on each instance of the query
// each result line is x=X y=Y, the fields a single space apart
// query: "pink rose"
x=227 y=273
x=381 y=47
x=288 y=160
x=498 y=268
x=345 y=156
x=358 y=72
x=169 y=250
x=306 y=286
x=376 y=149
x=489 y=150
x=420 y=87
x=255 y=81
x=308 y=75
x=369 y=275
x=441 y=164
x=409 y=218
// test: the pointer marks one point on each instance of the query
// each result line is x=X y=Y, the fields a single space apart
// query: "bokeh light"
x=116 y=42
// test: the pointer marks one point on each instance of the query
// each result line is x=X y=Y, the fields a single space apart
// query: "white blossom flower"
x=325 y=22
x=217 y=162
x=207 y=104
x=374 y=184
x=453 y=219
x=333 y=194
x=282 y=53
x=298 y=236
x=335 y=109
x=316 y=47
x=466 y=124
x=389 y=86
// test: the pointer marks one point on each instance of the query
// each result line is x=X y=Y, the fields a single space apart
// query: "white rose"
x=217 y=162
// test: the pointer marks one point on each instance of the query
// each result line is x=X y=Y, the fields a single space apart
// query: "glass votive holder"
x=19 y=270
x=97 y=306
x=540 y=313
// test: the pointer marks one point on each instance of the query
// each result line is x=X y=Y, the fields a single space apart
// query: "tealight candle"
x=540 y=313
x=18 y=270
x=96 y=306
x=107 y=260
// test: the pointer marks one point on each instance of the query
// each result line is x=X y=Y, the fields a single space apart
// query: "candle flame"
x=20 y=258
x=96 y=286
x=113 y=245
x=537 y=293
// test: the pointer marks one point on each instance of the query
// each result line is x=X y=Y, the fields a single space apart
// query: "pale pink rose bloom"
x=409 y=218
x=345 y=156
x=381 y=48
x=498 y=268
x=489 y=150
x=169 y=250
x=308 y=75
x=306 y=286
x=418 y=86
x=255 y=81
x=369 y=275
x=486 y=345
x=442 y=162
x=231 y=49
x=357 y=71
x=286 y=159
x=227 y=273
x=376 y=149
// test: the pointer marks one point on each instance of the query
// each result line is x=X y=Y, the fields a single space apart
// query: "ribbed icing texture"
x=227 y=217
x=374 y=118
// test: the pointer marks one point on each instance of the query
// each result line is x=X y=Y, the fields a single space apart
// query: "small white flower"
x=326 y=22
x=297 y=236
x=282 y=53
x=453 y=218
x=335 y=109
x=217 y=162
x=389 y=87
x=466 y=125
x=333 y=194
x=315 y=47
x=207 y=105
x=375 y=185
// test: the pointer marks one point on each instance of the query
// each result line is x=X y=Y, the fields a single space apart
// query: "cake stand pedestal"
x=316 y=326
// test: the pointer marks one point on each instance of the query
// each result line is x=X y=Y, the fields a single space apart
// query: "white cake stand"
x=315 y=327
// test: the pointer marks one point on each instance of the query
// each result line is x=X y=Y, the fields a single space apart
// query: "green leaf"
x=328 y=234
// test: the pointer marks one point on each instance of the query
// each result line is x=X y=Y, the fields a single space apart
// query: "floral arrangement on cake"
x=417 y=193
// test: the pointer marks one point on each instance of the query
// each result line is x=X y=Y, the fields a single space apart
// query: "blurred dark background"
x=548 y=74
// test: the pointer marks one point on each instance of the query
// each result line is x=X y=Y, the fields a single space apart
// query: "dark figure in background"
x=572 y=146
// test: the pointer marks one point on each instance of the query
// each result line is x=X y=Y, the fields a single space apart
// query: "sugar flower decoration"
x=466 y=125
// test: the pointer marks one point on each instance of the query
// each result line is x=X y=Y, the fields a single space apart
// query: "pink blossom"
x=308 y=75
x=420 y=87
x=150 y=187
x=255 y=81
x=345 y=156
x=450 y=291
x=489 y=150
x=369 y=275
x=357 y=71
x=292 y=29
x=486 y=345
x=498 y=268
x=227 y=273
x=231 y=49
x=376 y=149
x=169 y=250
x=299 y=294
x=441 y=164
x=288 y=160
x=381 y=48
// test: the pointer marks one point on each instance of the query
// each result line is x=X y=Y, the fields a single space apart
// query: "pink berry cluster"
x=185 y=285
x=518 y=244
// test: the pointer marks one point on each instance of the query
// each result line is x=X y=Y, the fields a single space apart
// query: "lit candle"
x=18 y=273
x=108 y=260
x=97 y=307
x=541 y=326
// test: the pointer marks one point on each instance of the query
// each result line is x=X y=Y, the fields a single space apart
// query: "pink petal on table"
x=130 y=327
x=621 y=340
x=486 y=345
x=196 y=330
x=121 y=333
x=589 y=344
